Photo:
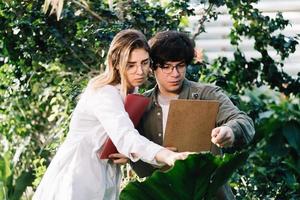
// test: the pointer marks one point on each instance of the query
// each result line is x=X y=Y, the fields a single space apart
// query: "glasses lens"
x=181 y=67
x=132 y=68
x=167 y=69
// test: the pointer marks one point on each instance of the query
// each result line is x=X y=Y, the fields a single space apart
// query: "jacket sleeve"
x=108 y=107
x=229 y=115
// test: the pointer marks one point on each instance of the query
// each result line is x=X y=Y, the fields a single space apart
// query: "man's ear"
x=151 y=73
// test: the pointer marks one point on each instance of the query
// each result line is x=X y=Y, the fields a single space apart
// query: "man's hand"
x=222 y=136
x=118 y=158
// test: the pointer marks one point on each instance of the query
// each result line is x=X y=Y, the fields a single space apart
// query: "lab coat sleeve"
x=108 y=107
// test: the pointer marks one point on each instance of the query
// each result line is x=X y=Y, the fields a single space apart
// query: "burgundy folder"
x=135 y=106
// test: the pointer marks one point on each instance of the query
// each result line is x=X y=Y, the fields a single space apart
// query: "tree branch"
x=201 y=21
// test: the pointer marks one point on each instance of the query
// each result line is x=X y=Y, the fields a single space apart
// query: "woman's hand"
x=169 y=157
x=172 y=149
x=118 y=158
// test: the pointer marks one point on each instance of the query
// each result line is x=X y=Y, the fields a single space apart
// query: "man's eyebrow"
x=176 y=64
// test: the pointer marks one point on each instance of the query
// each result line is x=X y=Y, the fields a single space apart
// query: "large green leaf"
x=197 y=177
x=226 y=166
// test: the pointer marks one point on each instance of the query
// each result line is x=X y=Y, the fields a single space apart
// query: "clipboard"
x=135 y=105
x=190 y=123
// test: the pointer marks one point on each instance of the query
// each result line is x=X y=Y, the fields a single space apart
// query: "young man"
x=171 y=52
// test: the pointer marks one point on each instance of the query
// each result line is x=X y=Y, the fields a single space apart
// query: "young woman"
x=76 y=172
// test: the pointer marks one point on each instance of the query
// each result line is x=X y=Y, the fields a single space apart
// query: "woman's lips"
x=140 y=79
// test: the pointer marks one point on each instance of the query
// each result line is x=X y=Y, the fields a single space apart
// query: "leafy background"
x=45 y=63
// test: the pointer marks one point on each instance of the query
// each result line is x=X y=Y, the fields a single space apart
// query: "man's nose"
x=175 y=72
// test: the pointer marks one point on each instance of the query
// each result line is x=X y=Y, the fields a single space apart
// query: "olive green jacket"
x=229 y=115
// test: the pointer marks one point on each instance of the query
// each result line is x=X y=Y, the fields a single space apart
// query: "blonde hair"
x=117 y=58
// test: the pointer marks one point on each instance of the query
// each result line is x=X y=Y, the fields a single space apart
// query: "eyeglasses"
x=168 y=68
x=133 y=67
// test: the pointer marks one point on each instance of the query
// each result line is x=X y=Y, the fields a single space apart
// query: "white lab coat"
x=76 y=173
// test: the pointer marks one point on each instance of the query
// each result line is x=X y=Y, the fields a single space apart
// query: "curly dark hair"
x=171 y=46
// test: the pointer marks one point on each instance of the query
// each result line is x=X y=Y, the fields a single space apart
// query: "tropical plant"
x=45 y=64
x=198 y=177
x=272 y=170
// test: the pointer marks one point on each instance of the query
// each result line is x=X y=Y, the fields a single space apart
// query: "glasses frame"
x=144 y=67
x=178 y=67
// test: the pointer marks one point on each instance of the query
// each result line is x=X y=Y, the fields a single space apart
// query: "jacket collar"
x=183 y=94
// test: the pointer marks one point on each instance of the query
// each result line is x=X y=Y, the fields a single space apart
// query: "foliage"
x=272 y=170
x=45 y=64
x=240 y=73
x=34 y=119
x=197 y=177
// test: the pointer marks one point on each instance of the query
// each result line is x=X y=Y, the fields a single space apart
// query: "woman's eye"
x=130 y=66
x=145 y=62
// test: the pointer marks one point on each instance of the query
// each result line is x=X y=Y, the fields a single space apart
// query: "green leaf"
x=5 y=175
x=291 y=132
x=198 y=176
x=184 y=21
x=24 y=180
x=2 y=190
x=275 y=145
x=227 y=165
x=5 y=170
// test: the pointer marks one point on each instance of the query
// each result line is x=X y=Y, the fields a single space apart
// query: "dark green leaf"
x=198 y=176
x=291 y=132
